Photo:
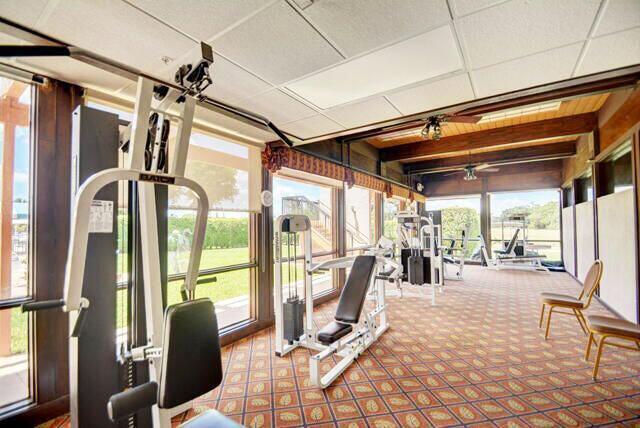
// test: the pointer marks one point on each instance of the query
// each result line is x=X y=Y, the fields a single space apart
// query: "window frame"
x=12 y=303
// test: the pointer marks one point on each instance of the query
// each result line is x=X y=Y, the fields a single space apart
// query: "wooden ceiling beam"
x=502 y=157
x=448 y=146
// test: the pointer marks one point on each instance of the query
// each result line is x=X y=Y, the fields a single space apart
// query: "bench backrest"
x=355 y=289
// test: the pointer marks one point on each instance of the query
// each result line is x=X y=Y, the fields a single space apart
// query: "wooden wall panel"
x=575 y=166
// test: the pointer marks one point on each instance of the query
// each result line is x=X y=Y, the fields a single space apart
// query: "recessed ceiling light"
x=520 y=111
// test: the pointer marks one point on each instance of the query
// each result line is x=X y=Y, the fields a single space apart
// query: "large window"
x=360 y=217
x=537 y=215
x=223 y=169
x=293 y=196
x=15 y=242
x=391 y=207
x=459 y=214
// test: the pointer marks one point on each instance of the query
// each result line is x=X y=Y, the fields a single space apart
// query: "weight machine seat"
x=385 y=275
x=354 y=291
x=191 y=363
x=333 y=331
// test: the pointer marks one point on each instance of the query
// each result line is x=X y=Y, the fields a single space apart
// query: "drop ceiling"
x=324 y=66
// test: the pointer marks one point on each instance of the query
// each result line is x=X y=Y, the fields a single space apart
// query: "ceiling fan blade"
x=491 y=170
x=482 y=166
x=464 y=119
x=452 y=173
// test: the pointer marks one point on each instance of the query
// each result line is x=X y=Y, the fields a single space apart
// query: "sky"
x=283 y=187
x=21 y=158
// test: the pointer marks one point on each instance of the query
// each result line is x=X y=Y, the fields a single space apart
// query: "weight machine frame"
x=365 y=332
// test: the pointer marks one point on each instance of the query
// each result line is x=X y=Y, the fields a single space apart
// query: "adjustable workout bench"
x=191 y=366
x=347 y=335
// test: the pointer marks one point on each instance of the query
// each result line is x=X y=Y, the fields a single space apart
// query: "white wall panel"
x=584 y=238
x=568 y=238
x=617 y=250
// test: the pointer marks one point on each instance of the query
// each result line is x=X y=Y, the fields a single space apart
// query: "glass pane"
x=391 y=208
x=540 y=229
x=14 y=359
x=226 y=241
x=312 y=200
x=15 y=164
x=230 y=293
x=360 y=210
x=459 y=214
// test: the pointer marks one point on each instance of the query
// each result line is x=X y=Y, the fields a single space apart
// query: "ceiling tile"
x=363 y=113
x=277 y=44
x=619 y=15
x=549 y=66
x=612 y=51
x=356 y=26
x=311 y=127
x=433 y=95
x=24 y=12
x=231 y=83
x=278 y=107
x=522 y=27
x=73 y=71
x=201 y=19
x=116 y=30
x=228 y=125
x=465 y=7
x=404 y=63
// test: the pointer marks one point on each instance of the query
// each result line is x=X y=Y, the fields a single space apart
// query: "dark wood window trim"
x=53 y=107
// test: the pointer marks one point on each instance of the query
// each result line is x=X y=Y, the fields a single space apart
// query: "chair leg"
x=584 y=320
x=575 y=312
x=589 y=343
x=598 y=355
x=546 y=333
x=542 y=315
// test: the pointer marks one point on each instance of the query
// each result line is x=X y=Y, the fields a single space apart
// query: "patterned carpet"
x=477 y=358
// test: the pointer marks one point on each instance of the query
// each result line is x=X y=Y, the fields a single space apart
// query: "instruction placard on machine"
x=101 y=217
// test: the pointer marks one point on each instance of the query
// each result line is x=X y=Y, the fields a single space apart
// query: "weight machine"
x=421 y=253
x=351 y=332
x=454 y=254
x=170 y=338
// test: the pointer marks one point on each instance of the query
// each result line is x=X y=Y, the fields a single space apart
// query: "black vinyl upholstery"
x=191 y=361
x=354 y=291
x=333 y=331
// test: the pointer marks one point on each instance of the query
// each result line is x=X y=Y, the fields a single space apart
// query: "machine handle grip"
x=126 y=403
x=207 y=280
x=80 y=321
x=43 y=304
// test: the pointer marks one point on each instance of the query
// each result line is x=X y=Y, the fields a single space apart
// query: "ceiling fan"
x=433 y=124
x=469 y=171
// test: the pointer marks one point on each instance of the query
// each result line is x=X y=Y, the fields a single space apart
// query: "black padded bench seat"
x=333 y=331
x=351 y=301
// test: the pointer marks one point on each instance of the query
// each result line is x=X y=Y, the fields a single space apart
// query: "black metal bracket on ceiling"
x=56 y=48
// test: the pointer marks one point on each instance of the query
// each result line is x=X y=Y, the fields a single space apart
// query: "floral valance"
x=276 y=158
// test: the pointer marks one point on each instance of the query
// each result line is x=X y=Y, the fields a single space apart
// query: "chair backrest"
x=591 y=283
x=512 y=243
x=355 y=289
